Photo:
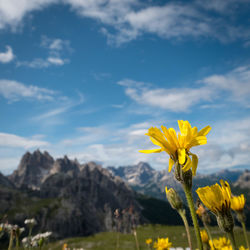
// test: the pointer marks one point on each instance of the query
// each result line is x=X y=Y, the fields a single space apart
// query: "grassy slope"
x=107 y=241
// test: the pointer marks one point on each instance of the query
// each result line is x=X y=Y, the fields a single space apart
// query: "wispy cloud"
x=56 y=49
x=13 y=12
x=14 y=91
x=15 y=141
x=174 y=99
x=133 y=18
x=236 y=83
x=7 y=56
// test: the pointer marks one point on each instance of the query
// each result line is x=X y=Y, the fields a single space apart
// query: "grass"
x=107 y=240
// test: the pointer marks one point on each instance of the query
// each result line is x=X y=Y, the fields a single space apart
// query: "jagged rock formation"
x=32 y=169
x=65 y=197
x=244 y=180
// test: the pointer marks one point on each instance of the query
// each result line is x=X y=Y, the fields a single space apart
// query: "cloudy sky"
x=87 y=78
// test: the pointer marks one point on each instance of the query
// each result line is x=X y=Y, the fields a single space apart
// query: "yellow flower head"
x=178 y=146
x=243 y=248
x=162 y=244
x=216 y=198
x=204 y=236
x=238 y=202
x=220 y=243
x=149 y=241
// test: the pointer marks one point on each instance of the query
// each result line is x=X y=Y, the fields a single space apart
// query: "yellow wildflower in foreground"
x=178 y=146
x=204 y=236
x=149 y=241
x=216 y=198
x=220 y=243
x=162 y=244
x=243 y=248
x=238 y=202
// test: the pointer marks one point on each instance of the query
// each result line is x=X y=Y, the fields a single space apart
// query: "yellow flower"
x=204 y=236
x=220 y=243
x=242 y=248
x=162 y=244
x=238 y=202
x=65 y=245
x=178 y=146
x=216 y=198
x=149 y=241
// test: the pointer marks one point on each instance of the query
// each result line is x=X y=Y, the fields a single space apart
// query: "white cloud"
x=56 y=48
x=132 y=18
x=176 y=100
x=43 y=63
x=8 y=56
x=11 y=140
x=14 y=91
x=56 y=61
x=13 y=12
x=235 y=82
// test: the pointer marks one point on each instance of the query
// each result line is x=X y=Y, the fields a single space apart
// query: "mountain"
x=65 y=197
x=32 y=169
x=146 y=180
x=244 y=180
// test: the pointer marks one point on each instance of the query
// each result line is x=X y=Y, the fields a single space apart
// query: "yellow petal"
x=194 y=164
x=187 y=165
x=149 y=151
x=170 y=165
x=204 y=131
x=181 y=155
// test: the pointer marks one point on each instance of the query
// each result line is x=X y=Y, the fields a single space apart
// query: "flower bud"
x=174 y=199
x=225 y=221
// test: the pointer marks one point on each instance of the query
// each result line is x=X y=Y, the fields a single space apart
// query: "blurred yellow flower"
x=216 y=198
x=243 y=248
x=149 y=241
x=222 y=243
x=162 y=244
x=178 y=146
x=204 y=236
x=238 y=202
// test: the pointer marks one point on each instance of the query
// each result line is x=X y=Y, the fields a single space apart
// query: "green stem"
x=232 y=239
x=11 y=240
x=208 y=231
x=190 y=202
x=136 y=240
x=184 y=218
x=245 y=233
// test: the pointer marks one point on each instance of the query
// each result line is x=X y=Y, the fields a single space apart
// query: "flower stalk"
x=184 y=218
x=245 y=233
x=232 y=239
x=190 y=202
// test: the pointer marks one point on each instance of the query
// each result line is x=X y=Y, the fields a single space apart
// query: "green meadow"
x=108 y=240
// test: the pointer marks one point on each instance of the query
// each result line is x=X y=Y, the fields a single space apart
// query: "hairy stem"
x=245 y=233
x=232 y=239
x=184 y=218
x=190 y=202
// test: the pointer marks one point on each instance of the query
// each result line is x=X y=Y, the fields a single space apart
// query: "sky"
x=87 y=78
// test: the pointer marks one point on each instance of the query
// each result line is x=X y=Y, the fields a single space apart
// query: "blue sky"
x=87 y=78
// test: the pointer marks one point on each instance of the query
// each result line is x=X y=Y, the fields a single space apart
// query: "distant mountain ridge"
x=144 y=179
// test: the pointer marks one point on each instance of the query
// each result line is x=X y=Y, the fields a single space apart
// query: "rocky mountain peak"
x=32 y=168
x=65 y=165
x=244 y=180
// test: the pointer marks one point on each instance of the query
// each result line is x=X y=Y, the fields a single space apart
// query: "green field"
x=108 y=240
